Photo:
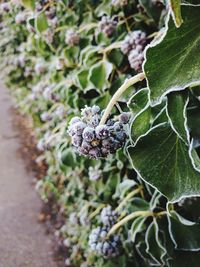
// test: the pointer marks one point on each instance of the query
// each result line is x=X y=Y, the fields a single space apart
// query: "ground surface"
x=22 y=239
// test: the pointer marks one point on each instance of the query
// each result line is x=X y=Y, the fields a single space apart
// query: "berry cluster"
x=109 y=216
x=118 y=3
x=5 y=7
x=107 y=26
x=49 y=93
x=40 y=67
x=72 y=37
x=94 y=140
x=20 y=18
x=59 y=113
x=103 y=245
x=94 y=173
x=133 y=46
x=49 y=36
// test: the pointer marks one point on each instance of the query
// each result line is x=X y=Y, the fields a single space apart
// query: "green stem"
x=130 y=195
x=129 y=217
x=118 y=93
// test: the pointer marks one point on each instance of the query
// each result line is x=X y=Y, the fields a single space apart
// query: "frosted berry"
x=102 y=131
x=94 y=173
x=97 y=140
x=102 y=245
x=72 y=37
x=124 y=117
x=136 y=59
x=107 y=26
x=133 y=41
x=118 y=3
x=20 y=18
x=109 y=216
x=88 y=134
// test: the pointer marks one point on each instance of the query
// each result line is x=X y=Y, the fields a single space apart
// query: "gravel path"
x=22 y=239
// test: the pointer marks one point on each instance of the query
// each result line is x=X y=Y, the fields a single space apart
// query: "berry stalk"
x=117 y=95
x=128 y=218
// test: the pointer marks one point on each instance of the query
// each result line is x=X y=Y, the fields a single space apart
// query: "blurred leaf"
x=41 y=23
x=28 y=4
x=100 y=73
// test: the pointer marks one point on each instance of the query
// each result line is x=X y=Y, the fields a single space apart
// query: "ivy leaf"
x=41 y=23
x=176 y=11
x=141 y=123
x=185 y=259
x=184 y=234
x=154 y=246
x=100 y=73
x=192 y=2
x=124 y=187
x=82 y=77
x=162 y=159
x=29 y=4
x=152 y=9
x=173 y=64
x=176 y=109
x=137 y=227
x=138 y=101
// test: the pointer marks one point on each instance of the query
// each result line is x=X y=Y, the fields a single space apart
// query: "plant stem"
x=118 y=93
x=94 y=213
x=128 y=218
x=110 y=47
x=130 y=195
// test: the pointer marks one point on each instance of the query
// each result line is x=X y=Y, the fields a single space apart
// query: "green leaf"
x=28 y=4
x=82 y=77
x=154 y=246
x=152 y=9
x=162 y=159
x=185 y=259
x=41 y=22
x=141 y=123
x=124 y=187
x=100 y=73
x=184 y=234
x=176 y=109
x=137 y=227
x=138 y=101
x=176 y=11
x=173 y=64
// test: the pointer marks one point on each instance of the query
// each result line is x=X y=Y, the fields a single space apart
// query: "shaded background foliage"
x=52 y=77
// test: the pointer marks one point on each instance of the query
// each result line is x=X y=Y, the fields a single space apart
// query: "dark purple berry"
x=95 y=153
x=102 y=131
x=76 y=140
x=124 y=117
x=88 y=134
x=79 y=127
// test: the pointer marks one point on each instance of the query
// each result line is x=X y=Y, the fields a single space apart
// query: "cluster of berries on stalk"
x=50 y=13
x=94 y=140
x=133 y=46
x=94 y=173
x=107 y=26
x=20 y=18
x=72 y=37
x=5 y=7
x=119 y=3
x=99 y=241
x=102 y=245
x=109 y=216
x=59 y=114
